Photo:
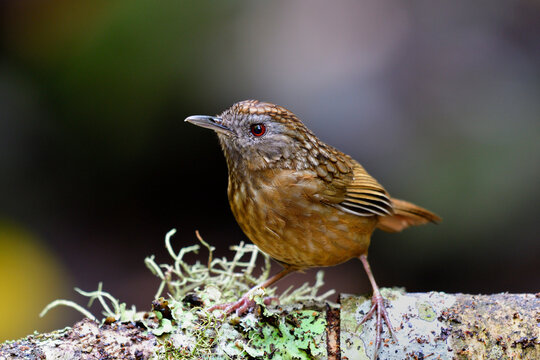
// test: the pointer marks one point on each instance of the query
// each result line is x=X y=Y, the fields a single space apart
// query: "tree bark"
x=427 y=326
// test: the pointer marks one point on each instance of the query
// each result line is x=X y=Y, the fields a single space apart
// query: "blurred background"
x=440 y=101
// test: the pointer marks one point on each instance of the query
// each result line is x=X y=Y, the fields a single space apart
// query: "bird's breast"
x=280 y=213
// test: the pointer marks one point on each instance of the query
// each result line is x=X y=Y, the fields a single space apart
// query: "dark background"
x=440 y=101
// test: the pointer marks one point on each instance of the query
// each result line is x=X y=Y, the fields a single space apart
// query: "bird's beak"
x=209 y=122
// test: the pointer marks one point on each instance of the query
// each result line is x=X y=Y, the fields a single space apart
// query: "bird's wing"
x=351 y=189
x=365 y=196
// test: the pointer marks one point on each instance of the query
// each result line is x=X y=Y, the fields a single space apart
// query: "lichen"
x=425 y=311
x=414 y=320
x=187 y=330
x=495 y=327
x=299 y=334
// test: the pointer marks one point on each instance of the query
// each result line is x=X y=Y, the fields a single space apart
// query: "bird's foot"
x=243 y=305
x=379 y=309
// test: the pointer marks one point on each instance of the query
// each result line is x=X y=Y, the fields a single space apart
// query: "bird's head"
x=256 y=135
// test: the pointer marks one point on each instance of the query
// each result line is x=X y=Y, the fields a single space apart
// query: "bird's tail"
x=406 y=214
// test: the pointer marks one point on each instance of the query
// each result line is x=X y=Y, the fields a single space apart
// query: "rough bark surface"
x=446 y=326
x=428 y=326
x=85 y=340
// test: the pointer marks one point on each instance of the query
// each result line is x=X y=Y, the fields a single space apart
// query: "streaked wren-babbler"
x=302 y=201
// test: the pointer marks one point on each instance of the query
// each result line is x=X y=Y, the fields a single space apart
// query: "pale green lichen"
x=290 y=332
x=502 y=326
x=229 y=277
x=192 y=332
x=425 y=311
x=116 y=310
x=297 y=335
x=416 y=327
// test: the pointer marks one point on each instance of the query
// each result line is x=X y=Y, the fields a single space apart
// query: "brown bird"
x=302 y=201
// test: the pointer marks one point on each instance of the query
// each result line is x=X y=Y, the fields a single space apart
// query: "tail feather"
x=406 y=214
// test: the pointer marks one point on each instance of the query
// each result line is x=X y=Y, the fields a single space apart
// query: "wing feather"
x=365 y=195
x=354 y=191
x=349 y=188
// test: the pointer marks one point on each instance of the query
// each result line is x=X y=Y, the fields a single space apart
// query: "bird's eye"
x=258 y=130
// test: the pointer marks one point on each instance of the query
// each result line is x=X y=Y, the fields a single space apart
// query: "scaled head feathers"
x=285 y=142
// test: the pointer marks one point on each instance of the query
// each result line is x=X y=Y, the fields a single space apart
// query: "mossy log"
x=428 y=326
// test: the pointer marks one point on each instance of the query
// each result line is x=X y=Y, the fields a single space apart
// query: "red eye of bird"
x=258 y=129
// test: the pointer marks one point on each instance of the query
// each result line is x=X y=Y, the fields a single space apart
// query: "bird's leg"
x=245 y=302
x=377 y=307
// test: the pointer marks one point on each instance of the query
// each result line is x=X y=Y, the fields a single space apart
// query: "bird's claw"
x=242 y=306
x=378 y=308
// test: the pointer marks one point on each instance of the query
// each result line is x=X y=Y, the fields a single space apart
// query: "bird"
x=301 y=201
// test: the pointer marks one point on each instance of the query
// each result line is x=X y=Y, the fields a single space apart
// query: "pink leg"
x=377 y=302
x=245 y=302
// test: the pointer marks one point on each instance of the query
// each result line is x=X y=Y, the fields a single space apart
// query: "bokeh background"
x=440 y=101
